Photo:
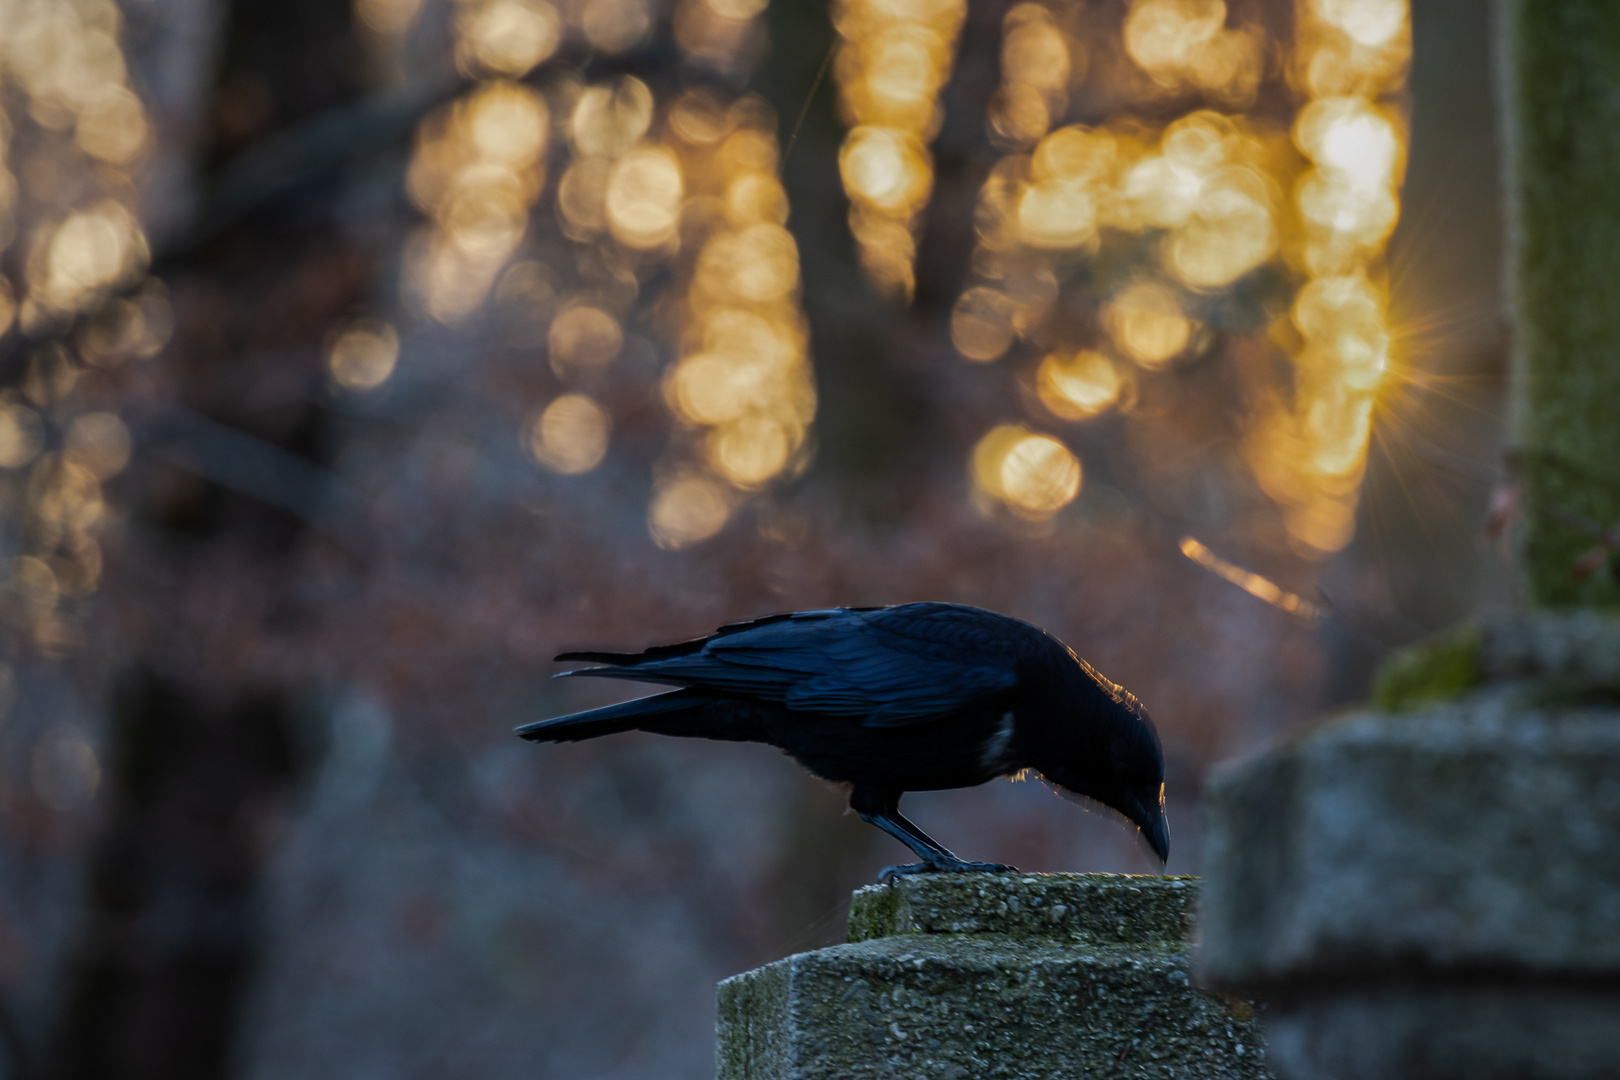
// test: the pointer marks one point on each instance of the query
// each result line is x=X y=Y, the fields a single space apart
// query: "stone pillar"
x=1435 y=893
x=969 y=977
x=1560 y=79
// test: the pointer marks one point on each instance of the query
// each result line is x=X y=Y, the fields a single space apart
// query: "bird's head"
x=1117 y=760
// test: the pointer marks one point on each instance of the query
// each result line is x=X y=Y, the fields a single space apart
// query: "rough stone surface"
x=1481 y=1031
x=1479 y=836
x=978 y=976
x=1435 y=895
x=1573 y=648
x=1091 y=909
x=1560 y=65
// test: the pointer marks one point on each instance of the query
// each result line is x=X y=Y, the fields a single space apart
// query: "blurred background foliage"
x=354 y=361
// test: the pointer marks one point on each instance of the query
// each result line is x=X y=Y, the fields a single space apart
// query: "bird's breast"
x=996 y=756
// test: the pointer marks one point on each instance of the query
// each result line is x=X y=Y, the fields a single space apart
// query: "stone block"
x=1430 y=894
x=976 y=976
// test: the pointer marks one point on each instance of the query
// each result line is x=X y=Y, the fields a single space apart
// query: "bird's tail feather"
x=600 y=657
x=679 y=712
x=609 y=720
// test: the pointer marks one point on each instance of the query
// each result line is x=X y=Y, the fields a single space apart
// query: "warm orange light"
x=1034 y=475
x=1078 y=387
x=570 y=436
x=583 y=338
x=1250 y=582
x=982 y=324
x=688 y=509
x=892 y=62
x=1186 y=42
x=1147 y=324
x=505 y=37
x=363 y=355
x=643 y=201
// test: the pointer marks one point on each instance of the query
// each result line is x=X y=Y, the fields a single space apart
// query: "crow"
x=914 y=697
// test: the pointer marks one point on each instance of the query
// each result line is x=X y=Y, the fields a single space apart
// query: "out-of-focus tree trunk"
x=862 y=419
x=204 y=746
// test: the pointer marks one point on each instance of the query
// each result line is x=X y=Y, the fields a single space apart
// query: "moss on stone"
x=1431 y=671
x=1098 y=909
x=1561 y=72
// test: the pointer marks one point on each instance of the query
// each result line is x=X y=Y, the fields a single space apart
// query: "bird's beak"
x=1150 y=819
x=1156 y=831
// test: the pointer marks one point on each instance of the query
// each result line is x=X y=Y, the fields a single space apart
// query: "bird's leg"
x=882 y=808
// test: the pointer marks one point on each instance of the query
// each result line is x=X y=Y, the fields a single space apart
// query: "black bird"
x=915 y=697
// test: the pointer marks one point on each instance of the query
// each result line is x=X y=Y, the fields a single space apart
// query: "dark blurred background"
x=355 y=361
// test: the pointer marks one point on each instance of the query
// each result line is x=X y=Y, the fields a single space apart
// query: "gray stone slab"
x=1472 y=1031
x=1031 y=976
x=1480 y=836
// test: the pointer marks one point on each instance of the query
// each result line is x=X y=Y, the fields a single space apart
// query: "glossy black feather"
x=887 y=667
x=907 y=698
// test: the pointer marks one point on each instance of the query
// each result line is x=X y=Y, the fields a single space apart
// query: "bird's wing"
x=886 y=666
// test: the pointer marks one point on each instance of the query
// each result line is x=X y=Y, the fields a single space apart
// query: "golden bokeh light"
x=1369 y=23
x=363 y=355
x=1057 y=214
x=1037 y=62
x=892 y=61
x=756 y=196
x=582 y=338
x=1147 y=323
x=1039 y=476
x=570 y=436
x=610 y=119
x=112 y=126
x=505 y=37
x=67 y=60
x=8 y=301
x=1033 y=475
x=388 y=16
x=1187 y=43
x=741 y=386
x=1230 y=231
x=93 y=250
x=615 y=26
x=477 y=167
x=982 y=324
x=749 y=451
x=582 y=197
x=22 y=435
x=736 y=9
x=100 y=443
x=643 y=199
x=82 y=136
x=885 y=170
x=132 y=327
x=757 y=264
x=1078 y=386
x=1309 y=454
x=688 y=509
x=64 y=493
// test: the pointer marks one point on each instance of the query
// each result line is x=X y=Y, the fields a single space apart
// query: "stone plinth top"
x=1088 y=909
x=994 y=977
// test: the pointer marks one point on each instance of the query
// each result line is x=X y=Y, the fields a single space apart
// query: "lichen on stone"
x=1431 y=671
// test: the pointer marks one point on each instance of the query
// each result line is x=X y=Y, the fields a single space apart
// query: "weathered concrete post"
x=969 y=977
x=1431 y=889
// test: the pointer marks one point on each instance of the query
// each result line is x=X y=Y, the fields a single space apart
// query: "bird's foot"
x=943 y=866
